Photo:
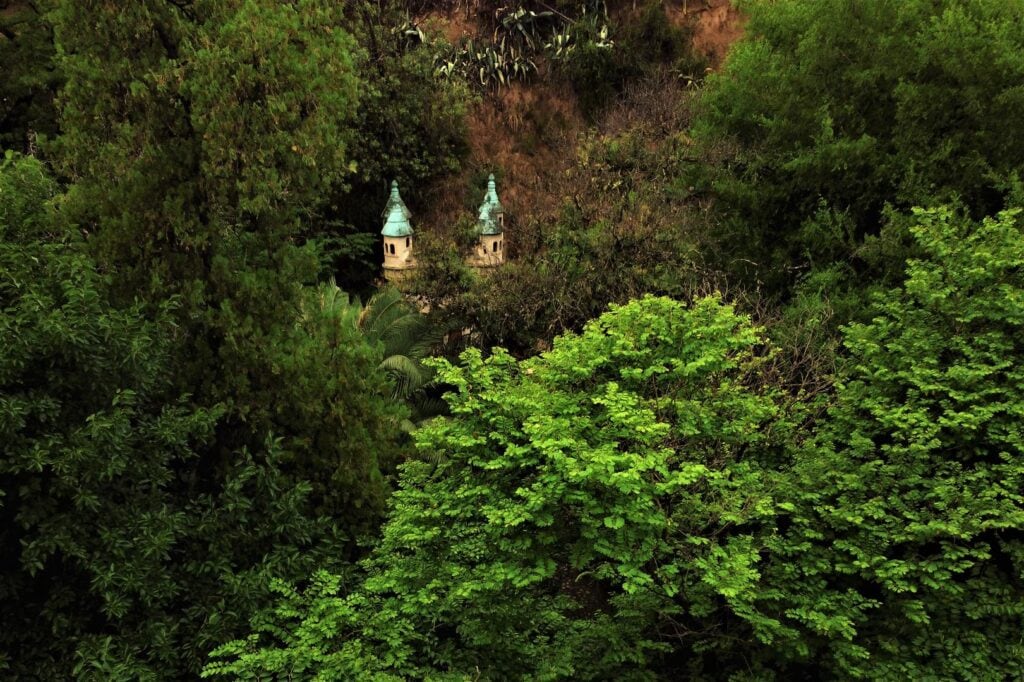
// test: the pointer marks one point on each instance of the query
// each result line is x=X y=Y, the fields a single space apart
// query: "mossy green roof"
x=396 y=215
x=490 y=210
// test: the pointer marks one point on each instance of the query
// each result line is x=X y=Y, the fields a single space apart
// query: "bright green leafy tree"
x=635 y=503
x=591 y=500
x=903 y=557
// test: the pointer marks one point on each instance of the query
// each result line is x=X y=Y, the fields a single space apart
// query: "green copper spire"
x=489 y=220
x=492 y=193
x=396 y=215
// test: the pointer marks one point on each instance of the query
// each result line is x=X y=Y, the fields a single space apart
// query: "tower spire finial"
x=396 y=215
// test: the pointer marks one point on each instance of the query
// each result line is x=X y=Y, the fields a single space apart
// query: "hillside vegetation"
x=743 y=402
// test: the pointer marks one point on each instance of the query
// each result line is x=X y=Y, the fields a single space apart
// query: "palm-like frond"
x=401 y=334
x=403 y=330
x=407 y=374
x=425 y=406
x=334 y=304
x=385 y=308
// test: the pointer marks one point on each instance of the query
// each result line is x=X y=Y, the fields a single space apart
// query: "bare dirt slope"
x=717 y=25
x=529 y=133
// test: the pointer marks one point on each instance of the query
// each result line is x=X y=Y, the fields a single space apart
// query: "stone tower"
x=490 y=229
x=397 y=234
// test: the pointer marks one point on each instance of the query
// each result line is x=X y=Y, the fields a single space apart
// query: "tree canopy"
x=126 y=551
x=742 y=401
x=645 y=499
x=862 y=104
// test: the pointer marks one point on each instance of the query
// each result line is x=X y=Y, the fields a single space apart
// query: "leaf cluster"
x=856 y=106
x=643 y=501
x=128 y=549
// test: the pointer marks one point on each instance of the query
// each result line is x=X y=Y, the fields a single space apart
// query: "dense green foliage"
x=190 y=168
x=30 y=78
x=587 y=497
x=735 y=406
x=903 y=557
x=640 y=501
x=128 y=552
x=861 y=104
x=184 y=190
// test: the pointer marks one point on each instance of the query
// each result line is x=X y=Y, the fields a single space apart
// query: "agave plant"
x=518 y=40
x=523 y=24
x=492 y=65
x=561 y=45
x=410 y=33
x=446 y=65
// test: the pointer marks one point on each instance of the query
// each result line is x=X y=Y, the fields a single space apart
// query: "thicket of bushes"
x=801 y=457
